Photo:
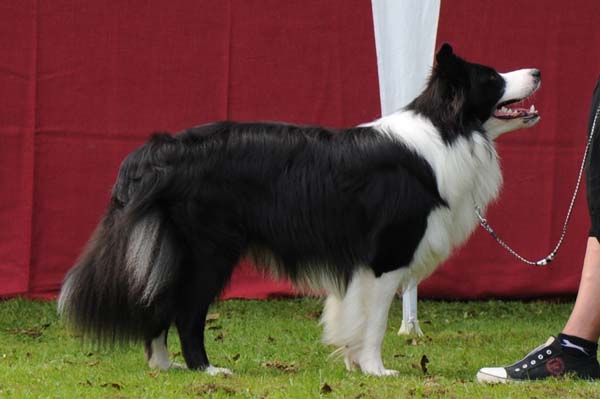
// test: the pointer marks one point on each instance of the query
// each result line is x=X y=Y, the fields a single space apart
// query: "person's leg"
x=584 y=321
x=575 y=349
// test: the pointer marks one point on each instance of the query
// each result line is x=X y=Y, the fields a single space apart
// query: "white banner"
x=405 y=32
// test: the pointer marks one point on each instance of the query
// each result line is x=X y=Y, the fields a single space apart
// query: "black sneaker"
x=547 y=360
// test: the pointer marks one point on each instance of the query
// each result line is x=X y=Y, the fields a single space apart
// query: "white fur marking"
x=519 y=84
x=495 y=127
x=210 y=370
x=160 y=354
x=64 y=298
x=344 y=318
x=139 y=251
x=147 y=277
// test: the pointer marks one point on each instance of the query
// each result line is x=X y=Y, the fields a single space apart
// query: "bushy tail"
x=121 y=287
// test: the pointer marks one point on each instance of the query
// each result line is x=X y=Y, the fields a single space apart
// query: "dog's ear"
x=444 y=53
x=448 y=64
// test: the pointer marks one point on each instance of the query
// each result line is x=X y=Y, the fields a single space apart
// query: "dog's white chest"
x=467 y=172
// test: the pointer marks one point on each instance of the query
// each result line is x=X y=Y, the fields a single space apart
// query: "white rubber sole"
x=493 y=375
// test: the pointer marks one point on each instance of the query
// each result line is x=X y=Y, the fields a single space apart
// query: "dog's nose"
x=536 y=74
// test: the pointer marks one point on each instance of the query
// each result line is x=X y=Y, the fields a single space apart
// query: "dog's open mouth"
x=503 y=111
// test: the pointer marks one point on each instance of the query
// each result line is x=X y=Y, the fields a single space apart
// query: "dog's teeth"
x=532 y=109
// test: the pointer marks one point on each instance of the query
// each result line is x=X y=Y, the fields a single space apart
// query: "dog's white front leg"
x=344 y=319
x=379 y=300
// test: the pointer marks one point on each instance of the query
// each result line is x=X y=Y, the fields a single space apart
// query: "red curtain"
x=83 y=83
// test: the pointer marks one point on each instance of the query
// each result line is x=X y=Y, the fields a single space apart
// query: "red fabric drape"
x=84 y=83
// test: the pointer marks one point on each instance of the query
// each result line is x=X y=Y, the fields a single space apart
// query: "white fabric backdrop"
x=405 y=33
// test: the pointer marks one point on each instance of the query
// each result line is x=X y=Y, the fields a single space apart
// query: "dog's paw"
x=376 y=368
x=351 y=364
x=379 y=372
x=165 y=365
x=211 y=370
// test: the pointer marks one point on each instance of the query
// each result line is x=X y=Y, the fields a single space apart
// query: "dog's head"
x=462 y=97
x=507 y=116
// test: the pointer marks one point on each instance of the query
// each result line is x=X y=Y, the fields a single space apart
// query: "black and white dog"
x=355 y=212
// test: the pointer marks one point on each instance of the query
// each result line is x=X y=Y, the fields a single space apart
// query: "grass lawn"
x=274 y=349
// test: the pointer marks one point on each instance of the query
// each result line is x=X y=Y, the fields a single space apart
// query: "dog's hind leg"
x=190 y=324
x=209 y=274
x=191 y=334
x=379 y=297
x=157 y=352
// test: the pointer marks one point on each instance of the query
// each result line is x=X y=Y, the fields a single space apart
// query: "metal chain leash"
x=543 y=262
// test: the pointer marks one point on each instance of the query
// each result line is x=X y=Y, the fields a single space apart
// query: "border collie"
x=355 y=212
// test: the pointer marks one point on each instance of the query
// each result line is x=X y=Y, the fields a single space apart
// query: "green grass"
x=275 y=351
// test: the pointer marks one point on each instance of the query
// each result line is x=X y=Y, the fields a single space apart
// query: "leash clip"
x=546 y=260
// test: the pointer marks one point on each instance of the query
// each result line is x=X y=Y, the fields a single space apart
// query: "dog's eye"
x=488 y=78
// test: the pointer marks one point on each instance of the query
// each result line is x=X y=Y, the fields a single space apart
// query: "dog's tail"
x=122 y=285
